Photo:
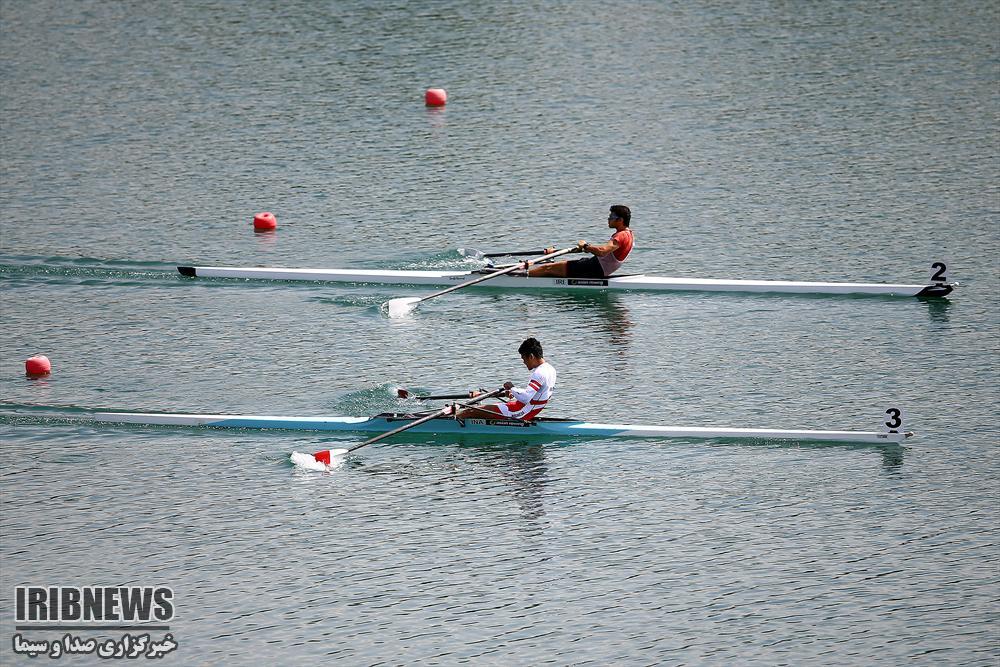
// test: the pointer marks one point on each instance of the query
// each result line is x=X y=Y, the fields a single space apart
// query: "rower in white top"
x=524 y=403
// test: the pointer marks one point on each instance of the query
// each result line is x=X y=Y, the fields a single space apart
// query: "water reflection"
x=436 y=117
x=266 y=240
x=892 y=458
x=937 y=309
x=523 y=466
x=607 y=311
x=520 y=465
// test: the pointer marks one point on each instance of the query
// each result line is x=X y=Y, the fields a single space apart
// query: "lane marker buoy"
x=264 y=222
x=436 y=97
x=37 y=365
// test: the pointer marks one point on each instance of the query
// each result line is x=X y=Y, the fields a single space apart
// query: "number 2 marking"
x=938 y=275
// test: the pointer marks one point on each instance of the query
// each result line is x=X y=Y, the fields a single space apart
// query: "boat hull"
x=624 y=282
x=507 y=428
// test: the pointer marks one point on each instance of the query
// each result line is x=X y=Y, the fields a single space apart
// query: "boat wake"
x=80 y=270
x=451 y=260
x=380 y=398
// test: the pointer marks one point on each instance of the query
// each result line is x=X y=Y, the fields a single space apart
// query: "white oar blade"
x=471 y=253
x=401 y=307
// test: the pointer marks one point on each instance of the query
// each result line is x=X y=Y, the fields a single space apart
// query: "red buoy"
x=436 y=97
x=264 y=222
x=37 y=365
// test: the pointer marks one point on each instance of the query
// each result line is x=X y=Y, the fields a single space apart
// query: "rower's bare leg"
x=553 y=270
x=479 y=412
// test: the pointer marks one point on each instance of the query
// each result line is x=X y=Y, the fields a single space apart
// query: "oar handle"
x=483 y=397
x=418 y=422
x=405 y=393
x=442 y=397
x=514 y=253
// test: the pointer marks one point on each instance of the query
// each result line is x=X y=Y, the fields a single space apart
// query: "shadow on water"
x=892 y=458
x=892 y=453
x=937 y=309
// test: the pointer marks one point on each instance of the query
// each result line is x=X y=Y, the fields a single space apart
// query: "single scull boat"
x=546 y=427
x=937 y=288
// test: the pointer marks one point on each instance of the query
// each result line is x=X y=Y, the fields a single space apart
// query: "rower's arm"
x=601 y=249
x=525 y=395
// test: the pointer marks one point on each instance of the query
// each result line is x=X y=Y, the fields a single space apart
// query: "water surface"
x=765 y=140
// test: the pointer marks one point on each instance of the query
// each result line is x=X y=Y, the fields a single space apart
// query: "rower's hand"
x=508 y=385
x=581 y=245
x=475 y=392
x=549 y=250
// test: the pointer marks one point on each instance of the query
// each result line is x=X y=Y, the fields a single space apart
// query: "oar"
x=327 y=455
x=405 y=393
x=402 y=306
x=472 y=253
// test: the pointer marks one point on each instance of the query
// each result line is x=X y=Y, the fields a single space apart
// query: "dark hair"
x=622 y=211
x=531 y=346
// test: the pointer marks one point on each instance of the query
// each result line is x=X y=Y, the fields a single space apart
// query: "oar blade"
x=472 y=253
x=320 y=461
x=396 y=308
x=402 y=307
x=307 y=462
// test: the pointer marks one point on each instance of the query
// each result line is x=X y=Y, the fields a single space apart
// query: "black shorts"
x=585 y=268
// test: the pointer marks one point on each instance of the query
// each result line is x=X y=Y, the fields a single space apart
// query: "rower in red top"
x=525 y=403
x=607 y=257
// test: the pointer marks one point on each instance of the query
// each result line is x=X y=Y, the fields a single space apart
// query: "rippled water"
x=764 y=140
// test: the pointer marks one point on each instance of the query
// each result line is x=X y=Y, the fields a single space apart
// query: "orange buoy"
x=436 y=97
x=37 y=365
x=264 y=222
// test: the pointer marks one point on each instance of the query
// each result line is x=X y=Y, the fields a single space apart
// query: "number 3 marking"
x=895 y=418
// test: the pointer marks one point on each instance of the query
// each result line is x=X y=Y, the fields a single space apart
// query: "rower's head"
x=531 y=353
x=620 y=215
